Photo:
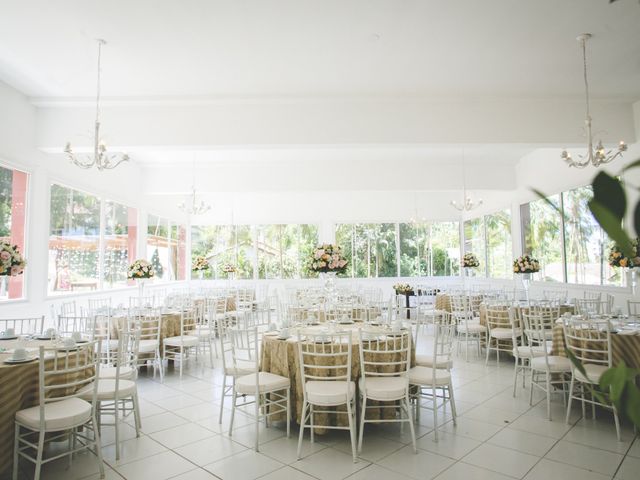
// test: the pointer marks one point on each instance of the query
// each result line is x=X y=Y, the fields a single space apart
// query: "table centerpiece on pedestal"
x=628 y=264
x=327 y=260
x=469 y=263
x=524 y=266
x=141 y=271
x=200 y=265
x=12 y=264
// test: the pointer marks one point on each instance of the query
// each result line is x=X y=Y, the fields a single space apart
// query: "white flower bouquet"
x=328 y=258
x=12 y=262
x=526 y=264
x=200 y=264
x=469 y=260
x=141 y=269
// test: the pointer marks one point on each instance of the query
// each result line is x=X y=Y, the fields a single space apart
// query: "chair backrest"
x=588 y=340
x=243 y=343
x=498 y=316
x=556 y=295
x=23 y=326
x=70 y=324
x=325 y=357
x=384 y=354
x=187 y=321
x=127 y=353
x=590 y=306
x=536 y=329
x=68 y=309
x=590 y=295
x=62 y=374
x=444 y=332
x=99 y=305
x=633 y=307
x=147 y=322
x=142 y=302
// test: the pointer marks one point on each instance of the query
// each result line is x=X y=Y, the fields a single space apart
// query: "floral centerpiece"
x=12 y=262
x=469 y=260
x=229 y=268
x=618 y=259
x=141 y=269
x=200 y=264
x=328 y=258
x=403 y=289
x=525 y=265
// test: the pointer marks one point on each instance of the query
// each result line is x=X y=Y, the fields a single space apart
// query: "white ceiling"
x=203 y=48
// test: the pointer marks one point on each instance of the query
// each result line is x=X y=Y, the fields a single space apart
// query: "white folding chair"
x=23 y=326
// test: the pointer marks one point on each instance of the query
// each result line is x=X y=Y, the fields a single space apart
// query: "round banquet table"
x=19 y=385
x=169 y=327
x=282 y=358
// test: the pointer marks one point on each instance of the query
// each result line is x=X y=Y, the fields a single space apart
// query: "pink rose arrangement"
x=328 y=258
x=12 y=262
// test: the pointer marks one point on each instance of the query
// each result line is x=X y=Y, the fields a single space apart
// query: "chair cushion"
x=148 y=346
x=526 y=352
x=126 y=372
x=424 y=376
x=267 y=382
x=556 y=364
x=384 y=388
x=471 y=328
x=107 y=389
x=60 y=415
x=427 y=361
x=594 y=372
x=503 y=333
x=203 y=332
x=329 y=392
x=185 y=341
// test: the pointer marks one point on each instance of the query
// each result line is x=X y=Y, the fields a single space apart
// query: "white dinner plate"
x=8 y=338
x=13 y=361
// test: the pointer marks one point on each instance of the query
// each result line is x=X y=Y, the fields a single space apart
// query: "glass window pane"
x=158 y=246
x=499 y=253
x=370 y=249
x=222 y=244
x=429 y=249
x=13 y=208
x=586 y=244
x=542 y=236
x=74 y=240
x=474 y=242
x=120 y=235
x=283 y=250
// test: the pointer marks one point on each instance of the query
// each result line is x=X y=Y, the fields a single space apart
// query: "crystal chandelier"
x=194 y=207
x=599 y=155
x=468 y=203
x=101 y=158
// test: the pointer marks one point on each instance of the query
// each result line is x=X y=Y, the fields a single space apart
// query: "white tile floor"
x=497 y=437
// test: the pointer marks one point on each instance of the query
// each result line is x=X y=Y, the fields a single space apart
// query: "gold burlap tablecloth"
x=519 y=311
x=19 y=386
x=443 y=301
x=282 y=358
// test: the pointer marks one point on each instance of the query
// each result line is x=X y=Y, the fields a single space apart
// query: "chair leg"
x=224 y=389
x=116 y=423
x=410 y=420
x=362 y=415
x=352 y=430
x=434 y=398
x=288 y=412
x=548 y=392
x=36 y=475
x=257 y=414
x=570 y=399
x=233 y=410
x=515 y=375
x=302 y=425
x=488 y=347
x=136 y=413
x=98 y=446
x=452 y=399
x=16 y=445
x=531 y=387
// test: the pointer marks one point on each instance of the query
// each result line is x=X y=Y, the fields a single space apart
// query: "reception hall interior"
x=359 y=239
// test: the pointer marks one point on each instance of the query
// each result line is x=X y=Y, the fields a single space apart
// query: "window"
x=13 y=210
x=120 y=236
x=474 y=242
x=74 y=240
x=166 y=248
x=429 y=249
x=574 y=250
x=283 y=250
x=225 y=244
x=499 y=253
x=586 y=244
x=542 y=236
x=370 y=249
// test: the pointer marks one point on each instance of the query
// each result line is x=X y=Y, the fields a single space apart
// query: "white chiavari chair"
x=325 y=369
x=468 y=328
x=68 y=325
x=500 y=332
x=390 y=384
x=633 y=308
x=590 y=343
x=23 y=326
x=178 y=348
x=148 y=323
x=271 y=393
x=60 y=412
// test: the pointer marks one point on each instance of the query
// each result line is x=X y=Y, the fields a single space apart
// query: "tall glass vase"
x=631 y=280
x=329 y=279
x=140 y=282
x=468 y=273
x=4 y=286
x=526 y=283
